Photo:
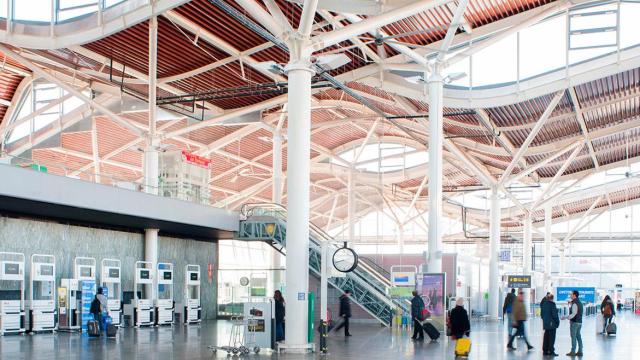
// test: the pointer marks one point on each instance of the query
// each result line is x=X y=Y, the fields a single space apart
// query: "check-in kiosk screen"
x=46 y=270
x=194 y=276
x=144 y=274
x=85 y=272
x=166 y=275
x=11 y=269
x=114 y=273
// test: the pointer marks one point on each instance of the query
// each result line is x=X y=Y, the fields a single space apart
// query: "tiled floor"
x=369 y=342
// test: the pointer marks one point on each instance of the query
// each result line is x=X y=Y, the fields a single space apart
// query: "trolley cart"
x=239 y=344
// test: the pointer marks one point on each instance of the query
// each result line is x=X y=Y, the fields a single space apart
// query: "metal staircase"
x=267 y=222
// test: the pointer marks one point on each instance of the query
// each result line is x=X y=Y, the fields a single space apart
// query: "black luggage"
x=112 y=330
x=433 y=333
x=93 y=329
x=612 y=329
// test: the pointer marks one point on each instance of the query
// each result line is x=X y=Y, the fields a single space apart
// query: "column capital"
x=300 y=64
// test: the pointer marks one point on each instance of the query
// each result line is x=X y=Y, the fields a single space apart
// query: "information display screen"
x=114 y=273
x=11 y=269
x=166 y=275
x=46 y=270
x=193 y=276
x=144 y=274
x=85 y=271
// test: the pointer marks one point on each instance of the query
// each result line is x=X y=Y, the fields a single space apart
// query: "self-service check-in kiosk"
x=190 y=306
x=77 y=294
x=140 y=309
x=42 y=293
x=164 y=294
x=110 y=279
x=12 y=293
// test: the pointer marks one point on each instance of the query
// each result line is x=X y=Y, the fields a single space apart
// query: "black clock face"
x=345 y=260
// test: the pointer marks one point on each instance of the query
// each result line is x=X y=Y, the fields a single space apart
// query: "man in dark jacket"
x=417 y=305
x=550 y=322
x=507 y=308
x=345 y=312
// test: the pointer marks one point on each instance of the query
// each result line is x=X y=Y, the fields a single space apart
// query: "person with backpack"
x=417 y=307
x=608 y=312
x=98 y=306
x=507 y=308
x=550 y=322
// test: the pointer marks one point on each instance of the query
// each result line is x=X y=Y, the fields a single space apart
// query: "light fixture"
x=270 y=66
x=454 y=77
x=332 y=61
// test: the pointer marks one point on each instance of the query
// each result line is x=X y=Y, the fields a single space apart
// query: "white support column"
x=151 y=245
x=563 y=263
x=298 y=179
x=494 y=252
x=351 y=204
x=547 y=245
x=436 y=83
x=526 y=258
x=95 y=152
x=151 y=155
x=276 y=190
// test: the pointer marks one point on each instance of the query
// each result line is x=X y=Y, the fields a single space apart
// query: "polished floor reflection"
x=369 y=342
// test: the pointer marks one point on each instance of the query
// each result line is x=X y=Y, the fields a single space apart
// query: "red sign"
x=195 y=159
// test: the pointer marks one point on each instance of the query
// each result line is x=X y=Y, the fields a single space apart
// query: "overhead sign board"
x=519 y=281
x=585 y=294
x=505 y=255
x=403 y=278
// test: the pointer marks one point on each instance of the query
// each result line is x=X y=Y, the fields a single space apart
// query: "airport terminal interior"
x=304 y=179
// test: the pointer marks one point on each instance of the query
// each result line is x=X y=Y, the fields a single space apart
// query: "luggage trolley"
x=111 y=280
x=164 y=294
x=12 y=294
x=242 y=341
x=42 y=293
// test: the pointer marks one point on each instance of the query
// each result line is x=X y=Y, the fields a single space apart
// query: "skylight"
x=384 y=157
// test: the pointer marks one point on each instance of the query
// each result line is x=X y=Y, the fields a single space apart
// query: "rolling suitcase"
x=112 y=330
x=463 y=347
x=433 y=333
x=612 y=329
x=93 y=329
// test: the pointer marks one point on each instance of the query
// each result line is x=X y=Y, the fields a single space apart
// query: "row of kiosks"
x=141 y=308
x=12 y=314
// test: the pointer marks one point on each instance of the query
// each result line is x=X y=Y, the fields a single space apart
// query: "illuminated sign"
x=519 y=281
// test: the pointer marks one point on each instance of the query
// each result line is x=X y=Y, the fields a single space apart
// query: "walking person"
x=507 y=308
x=575 y=320
x=519 y=316
x=345 y=312
x=460 y=325
x=550 y=322
x=608 y=312
x=279 y=304
x=417 y=306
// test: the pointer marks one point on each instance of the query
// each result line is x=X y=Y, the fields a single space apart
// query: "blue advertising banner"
x=433 y=294
x=585 y=294
x=88 y=292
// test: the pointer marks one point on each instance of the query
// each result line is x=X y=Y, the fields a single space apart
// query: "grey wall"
x=66 y=242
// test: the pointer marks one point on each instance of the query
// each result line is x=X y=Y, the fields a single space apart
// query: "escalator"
x=368 y=282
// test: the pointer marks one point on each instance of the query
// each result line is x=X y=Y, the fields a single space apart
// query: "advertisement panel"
x=433 y=293
x=88 y=293
x=586 y=294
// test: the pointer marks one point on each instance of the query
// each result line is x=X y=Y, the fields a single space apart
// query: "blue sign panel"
x=505 y=255
x=585 y=294
x=88 y=293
